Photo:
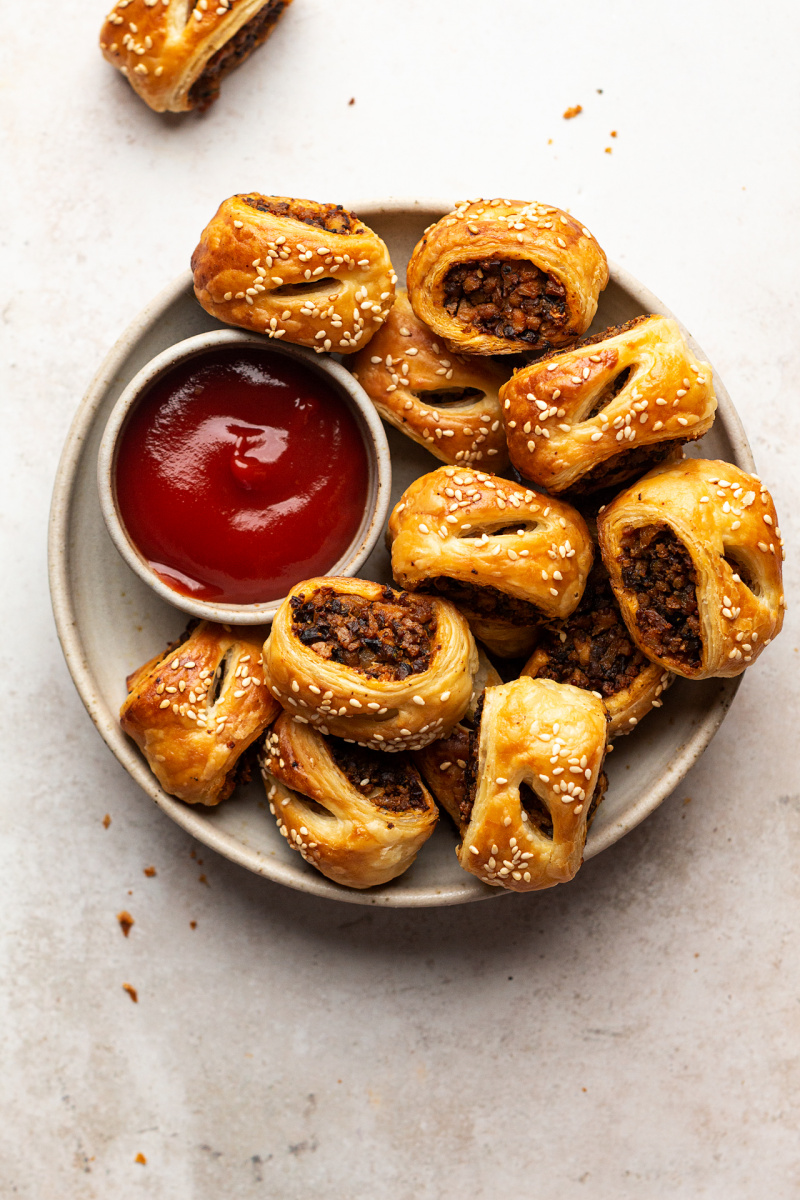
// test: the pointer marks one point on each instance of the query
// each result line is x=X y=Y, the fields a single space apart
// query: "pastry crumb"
x=352 y=100
x=106 y=821
x=132 y=992
x=149 y=872
x=613 y=133
x=140 y=1158
x=126 y=921
x=573 y=111
x=608 y=149
x=202 y=879
x=193 y=924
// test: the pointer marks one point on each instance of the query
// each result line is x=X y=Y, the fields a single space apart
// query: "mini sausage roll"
x=311 y=273
x=503 y=276
x=609 y=410
x=592 y=649
x=694 y=555
x=194 y=709
x=175 y=53
x=362 y=661
x=534 y=777
x=446 y=402
x=507 y=556
x=356 y=815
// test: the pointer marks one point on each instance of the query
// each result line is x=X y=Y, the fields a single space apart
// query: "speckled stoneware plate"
x=109 y=622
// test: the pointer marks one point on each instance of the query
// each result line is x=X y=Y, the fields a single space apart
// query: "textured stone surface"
x=632 y=1035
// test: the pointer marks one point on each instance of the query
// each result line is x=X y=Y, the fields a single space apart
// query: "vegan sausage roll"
x=175 y=53
x=364 y=662
x=532 y=780
x=310 y=273
x=447 y=402
x=504 y=276
x=506 y=555
x=194 y=709
x=694 y=555
x=598 y=415
x=356 y=815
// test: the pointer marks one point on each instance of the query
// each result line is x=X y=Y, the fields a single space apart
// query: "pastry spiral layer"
x=311 y=273
x=506 y=555
x=356 y=815
x=502 y=276
x=364 y=662
x=694 y=555
x=194 y=709
x=608 y=410
x=175 y=53
x=447 y=402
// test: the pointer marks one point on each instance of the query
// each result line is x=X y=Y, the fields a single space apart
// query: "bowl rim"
x=362 y=408
x=67 y=626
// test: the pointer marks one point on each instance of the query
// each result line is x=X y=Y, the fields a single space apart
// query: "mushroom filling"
x=205 y=88
x=623 y=466
x=509 y=298
x=486 y=602
x=391 y=637
x=388 y=781
x=657 y=568
x=330 y=217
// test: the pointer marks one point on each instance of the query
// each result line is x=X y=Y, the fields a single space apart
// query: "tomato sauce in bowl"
x=240 y=472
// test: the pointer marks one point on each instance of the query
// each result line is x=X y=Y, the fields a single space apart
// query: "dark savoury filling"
x=658 y=569
x=486 y=601
x=623 y=466
x=388 y=780
x=205 y=88
x=388 y=638
x=330 y=217
x=509 y=298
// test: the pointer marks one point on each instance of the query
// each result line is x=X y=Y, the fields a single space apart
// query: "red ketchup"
x=240 y=473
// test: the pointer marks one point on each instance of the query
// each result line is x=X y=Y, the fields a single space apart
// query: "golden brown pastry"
x=356 y=815
x=506 y=555
x=175 y=53
x=447 y=402
x=694 y=554
x=362 y=661
x=195 y=708
x=311 y=273
x=503 y=276
x=592 y=649
x=532 y=780
x=608 y=410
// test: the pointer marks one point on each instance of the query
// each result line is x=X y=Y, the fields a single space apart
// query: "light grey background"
x=634 y=1034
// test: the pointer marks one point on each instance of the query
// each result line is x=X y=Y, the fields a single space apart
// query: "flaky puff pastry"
x=447 y=402
x=503 y=276
x=506 y=555
x=174 y=53
x=356 y=815
x=694 y=555
x=311 y=273
x=361 y=661
x=194 y=709
x=600 y=414
x=532 y=781
x=593 y=649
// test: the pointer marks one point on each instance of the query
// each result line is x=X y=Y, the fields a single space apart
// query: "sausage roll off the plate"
x=503 y=276
x=532 y=782
x=364 y=662
x=507 y=556
x=196 y=708
x=311 y=273
x=356 y=815
x=446 y=402
x=592 y=649
x=609 y=410
x=175 y=53
x=694 y=554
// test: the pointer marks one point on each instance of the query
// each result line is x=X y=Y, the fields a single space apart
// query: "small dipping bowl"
x=334 y=377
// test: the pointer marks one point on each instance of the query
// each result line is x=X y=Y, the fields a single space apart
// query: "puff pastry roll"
x=503 y=276
x=507 y=556
x=362 y=661
x=597 y=416
x=195 y=708
x=593 y=649
x=355 y=814
x=533 y=778
x=311 y=273
x=447 y=402
x=694 y=555
x=175 y=53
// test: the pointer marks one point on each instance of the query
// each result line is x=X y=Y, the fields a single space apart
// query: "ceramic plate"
x=109 y=622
